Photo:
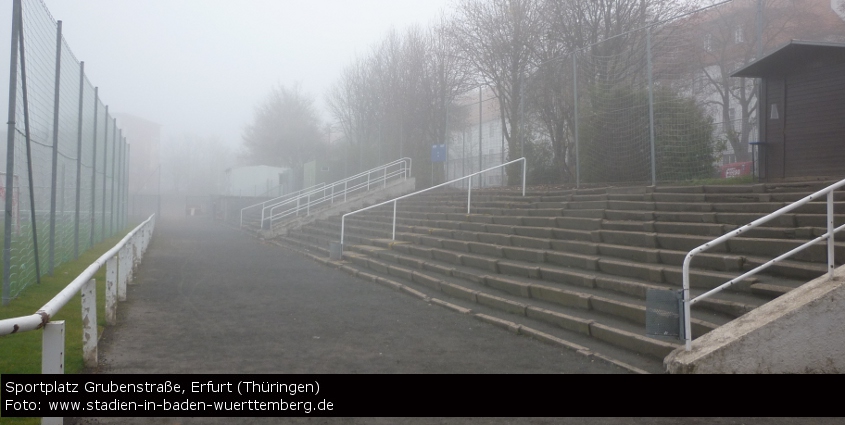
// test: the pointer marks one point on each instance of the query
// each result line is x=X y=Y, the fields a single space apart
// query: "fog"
x=200 y=67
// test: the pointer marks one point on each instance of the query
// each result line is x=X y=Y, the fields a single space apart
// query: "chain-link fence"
x=647 y=106
x=65 y=159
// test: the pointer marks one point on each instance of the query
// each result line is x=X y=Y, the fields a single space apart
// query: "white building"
x=257 y=180
x=481 y=128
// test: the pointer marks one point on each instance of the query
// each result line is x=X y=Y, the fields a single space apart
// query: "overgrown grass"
x=21 y=353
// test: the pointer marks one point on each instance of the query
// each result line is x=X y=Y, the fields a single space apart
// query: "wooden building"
x=802 y=111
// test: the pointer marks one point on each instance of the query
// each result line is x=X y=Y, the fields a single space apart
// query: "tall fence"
x=648 y=105
x=64 y=184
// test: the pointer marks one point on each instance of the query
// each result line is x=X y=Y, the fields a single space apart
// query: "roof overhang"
x=788 y=56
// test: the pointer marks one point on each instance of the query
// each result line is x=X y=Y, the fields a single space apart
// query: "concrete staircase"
x=573 y=266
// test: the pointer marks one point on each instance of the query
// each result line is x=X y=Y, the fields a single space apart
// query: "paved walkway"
x=211 y=299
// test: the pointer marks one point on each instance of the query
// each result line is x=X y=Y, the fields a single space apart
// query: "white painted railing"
x=394 y=201
x=120 y=262
x=275 y=201
x=829 y=236
x=375 y=178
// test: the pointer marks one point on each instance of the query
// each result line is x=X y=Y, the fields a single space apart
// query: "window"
x=739 y=36
x=708 y=42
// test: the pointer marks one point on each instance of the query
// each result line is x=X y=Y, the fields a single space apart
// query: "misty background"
x=200 y=68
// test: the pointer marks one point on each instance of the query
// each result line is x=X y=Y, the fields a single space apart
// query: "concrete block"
x=495 y=321
x=560 y=296
x=583 y=262
x=453 y=245
x=570 y=277
x=502 y=304
x=524 y=254
x=450 y=306
x=400 y=272
x=431 y=241
x=540 y=221
x=469 y=275
x=458 y=291
x=542 y=336
x=413 y=292
x=507 y=221
x=586 y=248
x=447 y=256
x=632 y=312
x=507 y=285
x=444 y=270
x=486 y=249
x=565 y=321
x=426 y=280
x=480 y=262
x=799 y=332
x=634 y=342
x=534 y=232
x=530 y=242
x=419 y=251
x=514 y=269
x=495 y=239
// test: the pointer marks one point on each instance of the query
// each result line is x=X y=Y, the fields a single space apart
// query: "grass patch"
x=21 y=353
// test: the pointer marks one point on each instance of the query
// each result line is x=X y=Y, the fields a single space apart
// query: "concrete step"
x=630 y=248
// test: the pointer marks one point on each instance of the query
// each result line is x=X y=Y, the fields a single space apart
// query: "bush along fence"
x=64 y=185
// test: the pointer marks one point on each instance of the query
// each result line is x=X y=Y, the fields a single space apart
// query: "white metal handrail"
x=395 y=200
x=119 y=262
x=829 y=236
x=276 y=200
x=376 y=177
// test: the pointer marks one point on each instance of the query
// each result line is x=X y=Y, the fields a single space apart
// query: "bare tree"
x=498 y=37
x=285 y=130
x=394 y=101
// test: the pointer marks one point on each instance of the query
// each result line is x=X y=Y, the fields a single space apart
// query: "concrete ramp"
x=352 y=203
x=798 y=332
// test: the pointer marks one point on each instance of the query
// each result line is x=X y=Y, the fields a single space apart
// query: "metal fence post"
x=105 y=174
x=115 y=140
x=94 y=169
x=10 y=152
x=651 y=107
x=89 y=323
x=575 y=91
x=52 y=249
x=78 y=162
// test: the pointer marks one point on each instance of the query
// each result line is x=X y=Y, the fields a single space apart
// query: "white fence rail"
x=120 y=262
x=275 y=201
x=394 y=201
x=829 y=236
x=375 y=178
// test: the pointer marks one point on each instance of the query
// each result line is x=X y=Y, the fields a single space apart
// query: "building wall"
x=144 y=138
x=255 y=180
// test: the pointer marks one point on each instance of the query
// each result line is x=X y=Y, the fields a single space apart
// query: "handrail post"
x=469 y=194
x=524 y=168
x=687 y=319
x=394 y=220
x=89 y=323
x=830 y=240
x=345 y=189
x=342 y=223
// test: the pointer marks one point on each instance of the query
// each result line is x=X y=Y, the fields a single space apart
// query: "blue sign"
x=438 y=153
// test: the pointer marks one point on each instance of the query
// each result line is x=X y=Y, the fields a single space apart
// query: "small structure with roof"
x=802 y=111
